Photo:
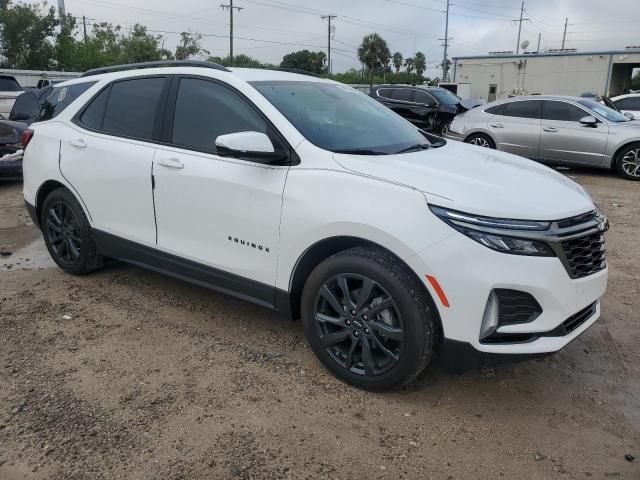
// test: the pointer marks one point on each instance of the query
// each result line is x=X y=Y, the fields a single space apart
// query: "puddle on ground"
x=32 y=257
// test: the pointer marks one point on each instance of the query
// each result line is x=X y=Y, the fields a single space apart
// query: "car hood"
x=478 y=180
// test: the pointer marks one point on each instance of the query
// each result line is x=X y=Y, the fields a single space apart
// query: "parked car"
x=558 y=130
x=9 y=90
x=629 y=103
x=306 y=196
x=428 y=108
x=25 y=110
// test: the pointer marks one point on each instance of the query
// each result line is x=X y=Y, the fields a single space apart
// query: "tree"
x=313 y=62
x=26 y=31
x=241 y=60
x=420 y=63
x=372 y=52
x=409 y=64
x=635 y=82
x=140 y=46
x=397 y=61
x=189 y=46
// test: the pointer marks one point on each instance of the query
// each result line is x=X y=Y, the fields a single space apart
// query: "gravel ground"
x=128 y=374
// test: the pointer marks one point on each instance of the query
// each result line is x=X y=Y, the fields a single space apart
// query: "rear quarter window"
x=60 y=98
x=9 y=84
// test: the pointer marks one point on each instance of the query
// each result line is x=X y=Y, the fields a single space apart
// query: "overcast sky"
x=476 y=26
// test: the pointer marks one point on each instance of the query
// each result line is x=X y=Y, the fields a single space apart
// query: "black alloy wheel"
x=368 y=318
x=68 y=235
x=359 y=324
x=63 y=232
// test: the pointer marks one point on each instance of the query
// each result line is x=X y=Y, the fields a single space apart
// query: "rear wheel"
x=368 y=319
x=481 y=140
x=628 y=162
x=67 y=234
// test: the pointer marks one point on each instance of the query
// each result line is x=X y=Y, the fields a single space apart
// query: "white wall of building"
x=551 y=74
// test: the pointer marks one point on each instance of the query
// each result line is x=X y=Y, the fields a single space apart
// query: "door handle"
x=497 y=125
x=550 y=129
x=78 y=143
x=171 y=163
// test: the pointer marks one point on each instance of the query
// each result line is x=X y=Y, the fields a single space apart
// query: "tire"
x=481 y=140
x=628 y=162
x=68 y=235
x=393 y=334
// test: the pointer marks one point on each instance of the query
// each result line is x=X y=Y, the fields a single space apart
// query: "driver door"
x=217 y=211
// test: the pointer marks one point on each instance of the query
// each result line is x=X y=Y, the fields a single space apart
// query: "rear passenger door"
x=516 y=127
x=565 y=139
x=108 y=155
x=218 y=211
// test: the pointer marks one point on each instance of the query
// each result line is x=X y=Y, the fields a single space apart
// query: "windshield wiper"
x=360 y=151
x=417 y=146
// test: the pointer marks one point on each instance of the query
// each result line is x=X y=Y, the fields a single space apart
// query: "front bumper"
x=467 y=273
x=454 y=136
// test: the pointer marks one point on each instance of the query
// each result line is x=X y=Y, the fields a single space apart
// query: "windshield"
x=444 y=96
x=9 y=84
x=604 y=111
x=341 y=119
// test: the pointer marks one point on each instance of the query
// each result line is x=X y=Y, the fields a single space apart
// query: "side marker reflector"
x=436 y=286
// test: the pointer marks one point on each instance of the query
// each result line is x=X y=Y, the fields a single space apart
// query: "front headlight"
x=499 y=234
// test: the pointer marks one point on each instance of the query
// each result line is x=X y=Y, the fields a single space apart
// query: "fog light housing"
x=490 y=317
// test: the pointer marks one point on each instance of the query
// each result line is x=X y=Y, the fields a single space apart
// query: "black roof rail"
x=296 y=70
x=158 y=64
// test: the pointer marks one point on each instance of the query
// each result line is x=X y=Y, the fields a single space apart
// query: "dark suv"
x=428 y=108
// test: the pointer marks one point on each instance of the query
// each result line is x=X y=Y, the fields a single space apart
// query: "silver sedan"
x=552 y=129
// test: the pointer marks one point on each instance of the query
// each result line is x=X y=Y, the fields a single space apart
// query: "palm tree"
x=372 y=52
x=397 y=61
x=409 y=64
x=420 y=63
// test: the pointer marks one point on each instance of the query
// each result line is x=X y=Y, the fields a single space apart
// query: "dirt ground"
x=129 y=374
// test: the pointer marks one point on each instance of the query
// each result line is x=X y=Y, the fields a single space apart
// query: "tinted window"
x=523 y=109
x=25 y=107
x=424 y=98
x=385 y=92
x=206 y=110
x=93 y=115
x=339 y=118
x=9 y=84
x=60 y=98
x=562 y=111
x=445 y=97
x=132 y=106
x=497 y=110
x=404 y=94
x=629 y=103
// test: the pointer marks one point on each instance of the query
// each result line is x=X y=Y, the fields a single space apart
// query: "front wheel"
x=628 y=162
x=368 y=319
x=481 y=140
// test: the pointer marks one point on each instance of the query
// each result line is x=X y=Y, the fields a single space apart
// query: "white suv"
x=308 y=197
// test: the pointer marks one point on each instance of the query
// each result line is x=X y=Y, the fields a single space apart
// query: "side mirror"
x=589 y=121
x=254 y=146
x=629 y=115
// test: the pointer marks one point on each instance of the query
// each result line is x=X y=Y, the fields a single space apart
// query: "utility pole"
x=520 y=27
x=564 y=35
x=445 y=60
x=230 y=7
x=328 y=18
x=84 y=27
x=539 y=38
